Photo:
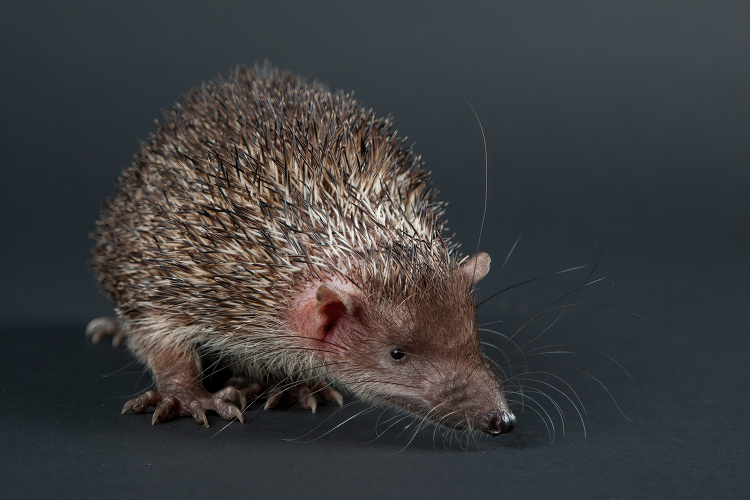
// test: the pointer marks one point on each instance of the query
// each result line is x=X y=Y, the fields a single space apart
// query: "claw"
x=312 y=403
x=118 y=338
x=245 y=388
x=338 y=397
x=236 y=413
x=231 y=393
x=142 y=402
x=306 y=400
x=196 y=411
x=130 y=404
x=100 y=327
x=148 y=398
x=160 y=413
x=328 y=394
x=273 y=399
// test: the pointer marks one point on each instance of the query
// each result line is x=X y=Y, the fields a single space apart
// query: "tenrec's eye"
x=397 y=354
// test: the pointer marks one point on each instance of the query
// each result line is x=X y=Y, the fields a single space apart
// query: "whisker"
x=418 y=428
x=366 y=410
x=486 y=167
x=438 y=425
x=512 y=248
x=120 y=370
x=414 y=419
x=595 y=351
x=541 y=313
x=481 y=325
x=576 y=268
x=339 y=410
x=564 y=382
x=539 y=414
x=378 y=434
x=603 y=387
x=580 y=417
x=555 y=404
x=552 y=434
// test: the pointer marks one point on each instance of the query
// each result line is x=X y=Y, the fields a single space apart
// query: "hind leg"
x=105 y=326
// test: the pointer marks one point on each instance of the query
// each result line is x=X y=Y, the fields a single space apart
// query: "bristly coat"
x=257 y=196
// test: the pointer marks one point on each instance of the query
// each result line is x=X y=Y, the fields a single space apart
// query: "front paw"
x=191 y=401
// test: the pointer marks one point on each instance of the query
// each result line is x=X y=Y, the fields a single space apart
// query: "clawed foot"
x=304 y=395
x=105 y=326
x=195 y=401
x=190 y=402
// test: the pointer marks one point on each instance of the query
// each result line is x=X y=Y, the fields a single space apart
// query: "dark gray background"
x=617 y=124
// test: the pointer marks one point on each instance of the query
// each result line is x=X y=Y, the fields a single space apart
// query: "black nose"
x=501 y=424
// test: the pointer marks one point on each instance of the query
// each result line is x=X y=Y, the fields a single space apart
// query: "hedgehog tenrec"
x=287 y=233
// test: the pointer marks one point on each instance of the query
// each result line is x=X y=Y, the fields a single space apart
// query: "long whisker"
x=491 y=323
x=544 y=421
x=508 y=340
x=438 y=424
x=507 y=257
x=585 y=283
x=379 y=434
x=120 y=370
x=339 y=410
x=486 y=165
x=603 y=387
x=563 y=420
x=414 y=419
x=366 y=410
x=573 y=304
x=580 y=417
x=571 y=346
x=564 y=382
x=531 y=281
x=418 y=428
x=552 y=434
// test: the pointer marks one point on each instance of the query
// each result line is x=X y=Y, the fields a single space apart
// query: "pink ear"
x=476 y=267
x=334 y=307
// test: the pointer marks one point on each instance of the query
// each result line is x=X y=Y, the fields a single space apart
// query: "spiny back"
x=257 y=183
